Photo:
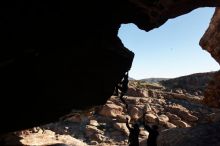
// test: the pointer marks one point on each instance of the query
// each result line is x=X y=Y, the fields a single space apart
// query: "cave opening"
x=171 y=50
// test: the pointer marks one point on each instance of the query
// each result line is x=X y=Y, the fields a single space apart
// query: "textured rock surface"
x=49 y=138
x=212 y=92
x=202 y=135
x=94 y=128
x=150 y=118
x=210 y=42
x=136 y=92
x=182 y=112
x=163 y=118
x=111 y=110
x=53 y=49
x=136 y=113
x=122 y=127
x=191 y=83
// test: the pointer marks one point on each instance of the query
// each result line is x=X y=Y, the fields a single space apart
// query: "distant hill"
x=131 y=79
x=191 y=83
x=154 y=80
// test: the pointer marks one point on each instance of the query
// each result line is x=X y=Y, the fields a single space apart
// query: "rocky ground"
x=106 y=125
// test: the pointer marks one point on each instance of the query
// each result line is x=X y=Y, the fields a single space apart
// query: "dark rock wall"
x=56 y=56
x=212 y=92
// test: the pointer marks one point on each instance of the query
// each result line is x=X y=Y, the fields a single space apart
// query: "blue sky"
x=173 y=49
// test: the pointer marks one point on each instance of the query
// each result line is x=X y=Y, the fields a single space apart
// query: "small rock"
x=98 y=137
x=122 y=118
x=152 y=93
x=132 y=91
x=161 y=101
x=145 y=93
x=109 y=102
x=180 y=123
x=163 y=118
x=91 y=130
x=94 y=142
x=155 y=109
x=214 y=117
x=36 y=129
x=147 y=108
x=151 y=118
x=93 y=123
x=135 y=113
x=179 y=91
x=169 y=125
x=172 y=116
x=121 y=127
x=144 y=133
x=144 y=100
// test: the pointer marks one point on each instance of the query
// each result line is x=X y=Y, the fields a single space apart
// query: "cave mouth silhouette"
x=172 y=50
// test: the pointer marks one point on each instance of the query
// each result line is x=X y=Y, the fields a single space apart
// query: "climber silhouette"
x=153 y=134
x=134 y=134
x=123 y=87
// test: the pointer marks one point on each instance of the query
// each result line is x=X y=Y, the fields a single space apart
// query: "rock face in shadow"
x=202 y=135
x=210 y=42
x=55 y=58
x=212 y=93
x=60 y=55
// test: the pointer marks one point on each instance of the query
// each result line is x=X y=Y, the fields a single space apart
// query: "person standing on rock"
x=124 y=88
x=133 y=138
x=123 y=85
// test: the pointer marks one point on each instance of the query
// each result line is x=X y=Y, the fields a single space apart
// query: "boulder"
x=182 y=112
x=144 y=133
x=75 y=118
x=111 y=110
x=180 y=123
x=92 y=130
x=169 y=125
x=214 y=117
x=93 y=123
x=172 y=116
x=135 y=113
x=132 y=91
x=163 y=119
x=145 y=100
x=122 y=118
x=97 y=137
x=151 y=118
x=121 y=127
x=49 y=137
